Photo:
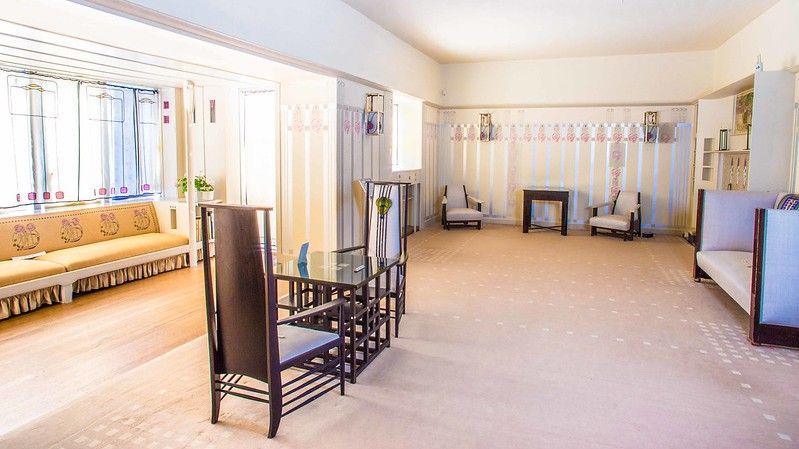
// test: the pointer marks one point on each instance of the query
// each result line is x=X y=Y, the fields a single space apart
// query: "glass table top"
x=337 y=269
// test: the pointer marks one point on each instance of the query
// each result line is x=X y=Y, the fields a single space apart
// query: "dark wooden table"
x=560 y=194
x=330 y=275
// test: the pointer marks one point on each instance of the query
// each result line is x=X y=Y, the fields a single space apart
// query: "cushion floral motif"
x=789 y=202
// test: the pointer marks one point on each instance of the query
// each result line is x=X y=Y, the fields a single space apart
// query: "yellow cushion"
x=16 y=271
x=72 y=228
x=112 y=250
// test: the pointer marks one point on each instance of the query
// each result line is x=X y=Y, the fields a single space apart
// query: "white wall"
x=359 y=156
x=323 y=32
x=527 y=153
x=774 y=35
x=630 y=79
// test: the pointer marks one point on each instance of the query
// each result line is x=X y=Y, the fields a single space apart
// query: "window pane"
x=108 y=154
x=39 y=128
x=149 y=133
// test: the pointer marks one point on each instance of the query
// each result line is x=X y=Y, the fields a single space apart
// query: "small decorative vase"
x=205 y=196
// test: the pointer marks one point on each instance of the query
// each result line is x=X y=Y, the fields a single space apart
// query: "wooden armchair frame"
x=635 y=220
x=465 y=223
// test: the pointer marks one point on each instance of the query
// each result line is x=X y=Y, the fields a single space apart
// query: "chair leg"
x=593 y=230
x=341 y=366
x=275 y=413
x=479 y=225
x=216 y=398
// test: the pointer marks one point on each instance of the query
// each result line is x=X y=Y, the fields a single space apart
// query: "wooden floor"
x=59 y=353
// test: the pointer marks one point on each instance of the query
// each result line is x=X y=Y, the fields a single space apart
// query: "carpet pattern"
x=510 y=341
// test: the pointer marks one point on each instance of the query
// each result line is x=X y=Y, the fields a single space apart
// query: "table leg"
x=526 y=214
x=353 y=336
x=564 y=216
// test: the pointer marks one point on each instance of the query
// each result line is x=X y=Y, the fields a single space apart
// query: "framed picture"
x=743 y=112
x=650 y=118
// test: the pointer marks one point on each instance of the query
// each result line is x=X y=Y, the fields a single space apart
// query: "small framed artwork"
x=743 y=112
x=650 y=118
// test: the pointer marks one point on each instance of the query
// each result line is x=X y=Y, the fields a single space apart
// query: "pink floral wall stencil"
x=471 y=133
x=616 y=166
x=528 y=133
x=316 y=120
x=601 y=134
x=570 y=134
x=347 y=126
x=458 y=133
x=632 y=135
x=297 y=124
x=585 y=134
x=556 y=133
x=616 y=134
x=542 y=133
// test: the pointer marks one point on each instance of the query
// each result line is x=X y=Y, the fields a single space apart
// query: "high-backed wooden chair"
x=624 y=219
x=246 y=340
x=385 y=222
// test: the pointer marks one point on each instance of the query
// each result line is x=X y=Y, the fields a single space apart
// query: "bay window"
x=67 y=140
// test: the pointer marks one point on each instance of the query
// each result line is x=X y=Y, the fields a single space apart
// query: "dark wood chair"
x=248 y=345
x=624 y=219
x=385 y=224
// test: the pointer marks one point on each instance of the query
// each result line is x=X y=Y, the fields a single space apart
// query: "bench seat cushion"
x=16 y=271
x=732 y=271
x=113 y=250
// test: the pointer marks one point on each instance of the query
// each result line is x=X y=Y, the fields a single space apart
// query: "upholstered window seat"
x=81 y=250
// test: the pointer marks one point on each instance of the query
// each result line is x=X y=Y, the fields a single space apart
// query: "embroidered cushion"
x=788 y=201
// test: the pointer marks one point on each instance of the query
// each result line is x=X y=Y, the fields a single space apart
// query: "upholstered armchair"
x=455 y=208
x=624 y=219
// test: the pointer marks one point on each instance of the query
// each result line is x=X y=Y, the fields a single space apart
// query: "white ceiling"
x=453 y=31
x=65 y=42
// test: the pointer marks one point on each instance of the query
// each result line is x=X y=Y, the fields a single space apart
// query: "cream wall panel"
x=594 y=160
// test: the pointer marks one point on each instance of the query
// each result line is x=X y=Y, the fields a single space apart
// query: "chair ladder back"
x=386 y=202
x=241 y=300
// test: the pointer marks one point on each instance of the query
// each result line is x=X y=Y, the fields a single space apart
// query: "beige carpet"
x=510 y=341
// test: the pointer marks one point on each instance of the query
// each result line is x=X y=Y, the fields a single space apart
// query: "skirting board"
x=433 y=221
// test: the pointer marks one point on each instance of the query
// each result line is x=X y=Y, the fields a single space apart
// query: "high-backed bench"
x=751 y=250
x=84 y=249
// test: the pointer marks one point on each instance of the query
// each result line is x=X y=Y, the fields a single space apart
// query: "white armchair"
x=455 y=208
x=624 y=219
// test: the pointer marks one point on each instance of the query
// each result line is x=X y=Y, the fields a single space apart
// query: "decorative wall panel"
x=308 y=170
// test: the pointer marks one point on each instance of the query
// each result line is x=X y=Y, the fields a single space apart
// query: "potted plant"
x=203 y=186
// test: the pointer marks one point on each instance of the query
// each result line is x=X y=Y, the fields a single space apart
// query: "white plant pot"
x=205 y=196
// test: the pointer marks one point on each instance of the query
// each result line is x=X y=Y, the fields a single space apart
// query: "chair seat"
x=617 y=222
x=463 y=214
x=112 y=250
x=16 y=271
x=299 y=343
